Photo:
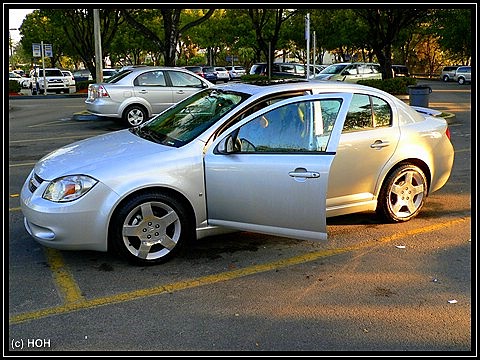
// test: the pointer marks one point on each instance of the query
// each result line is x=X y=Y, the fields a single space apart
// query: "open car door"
x=269 y=172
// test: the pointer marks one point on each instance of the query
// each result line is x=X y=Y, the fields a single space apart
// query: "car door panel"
x=275 y=192
x=152 y=87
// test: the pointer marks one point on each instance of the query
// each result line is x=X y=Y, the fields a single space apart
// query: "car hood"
x=96 y=156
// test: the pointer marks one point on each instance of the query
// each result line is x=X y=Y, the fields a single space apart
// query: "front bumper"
x=77 y=225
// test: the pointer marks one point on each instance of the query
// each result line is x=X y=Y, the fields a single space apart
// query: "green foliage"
x=13 y=86
x=395 y=86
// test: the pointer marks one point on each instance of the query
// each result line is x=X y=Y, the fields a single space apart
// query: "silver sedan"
x=275 y=159
x=135 y=94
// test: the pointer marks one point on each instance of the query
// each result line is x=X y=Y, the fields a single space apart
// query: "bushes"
x=14 y=86
x=395 y=86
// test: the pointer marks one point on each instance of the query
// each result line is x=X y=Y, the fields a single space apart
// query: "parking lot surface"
x=370 y=287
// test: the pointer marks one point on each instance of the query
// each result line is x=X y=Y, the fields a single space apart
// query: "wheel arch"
x=134 y=101
x=411 y=161
x=165 y=190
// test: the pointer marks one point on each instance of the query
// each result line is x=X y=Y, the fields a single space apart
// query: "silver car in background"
x=463 y=75
x=136 y=94
x=275 y=159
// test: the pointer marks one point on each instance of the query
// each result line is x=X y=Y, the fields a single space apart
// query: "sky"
x=15 y=19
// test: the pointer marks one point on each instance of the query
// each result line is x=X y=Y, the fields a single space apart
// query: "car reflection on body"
x=275 y=159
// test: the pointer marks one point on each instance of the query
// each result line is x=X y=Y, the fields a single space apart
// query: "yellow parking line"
x=64 y=280
x=77 y=302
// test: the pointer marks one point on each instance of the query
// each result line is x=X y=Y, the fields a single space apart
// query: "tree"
x=38 y=27
x=384 y=27
x=454 y=28
x=267 y=24
x=77 y=26
x=171 y=29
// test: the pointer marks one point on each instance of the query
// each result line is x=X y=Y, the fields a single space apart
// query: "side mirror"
x=228 y=145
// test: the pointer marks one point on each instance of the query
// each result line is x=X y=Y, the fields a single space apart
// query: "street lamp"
x=10 y=45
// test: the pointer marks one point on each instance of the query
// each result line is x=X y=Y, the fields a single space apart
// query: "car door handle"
x=379 y=144
x=180 y=92
x=143 y=92
x=303 y=173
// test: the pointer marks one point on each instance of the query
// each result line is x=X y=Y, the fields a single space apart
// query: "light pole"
x=10 y=45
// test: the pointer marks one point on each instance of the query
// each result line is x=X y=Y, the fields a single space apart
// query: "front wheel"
x=135 y=115
x=461 y=81
x=403 y=194
x=150 y=228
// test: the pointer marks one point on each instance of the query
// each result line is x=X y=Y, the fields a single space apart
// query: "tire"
x=446 y=78
x=135 y=115
x=402 y=194
x=461 y=80
x=150 y=228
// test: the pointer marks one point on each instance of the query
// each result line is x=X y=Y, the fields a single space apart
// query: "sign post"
x=307 y=37
x=42 y=50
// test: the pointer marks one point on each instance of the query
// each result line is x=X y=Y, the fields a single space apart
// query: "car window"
x=367 y=112
x=187 y=119
x=118 y=76
x=297 y=127
x=50 y=72
x=382 y=114
x=151 y=78
x=181 y=79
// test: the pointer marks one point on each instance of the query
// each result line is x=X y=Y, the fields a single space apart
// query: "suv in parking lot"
x=55 y=81
x=463 y=74
x=350 y=72
x=279 y=69
x=448 y=73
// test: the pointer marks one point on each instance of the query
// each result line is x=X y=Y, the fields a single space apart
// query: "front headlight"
x=69 y=188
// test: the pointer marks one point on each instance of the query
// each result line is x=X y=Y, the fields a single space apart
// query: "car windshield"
x=50 y=72
x=333 y=69
x=184 y=121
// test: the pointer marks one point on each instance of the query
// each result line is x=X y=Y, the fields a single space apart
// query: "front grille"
x=34 y=182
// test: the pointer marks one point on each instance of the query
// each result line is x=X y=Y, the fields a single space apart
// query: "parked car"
x=210 y=74
x=195 y=69
x=222 y=74
x=137 y=94
x=108 y=73
x=15 y=77
x=55 y=81
x=82 y=75
x=285 y=70
x=463 y=74
x=350 y=72
x=400 y=70
x=275 y=159
x=448 y=73
x=71 y=80
x=314 y=71
x=235 y=72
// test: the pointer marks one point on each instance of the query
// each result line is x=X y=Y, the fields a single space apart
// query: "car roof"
x=294 y=84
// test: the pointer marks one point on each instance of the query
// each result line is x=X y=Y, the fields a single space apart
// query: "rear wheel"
x=461 y=80
x=135 y=115
x=445 y=78
x=150 y=228
x=403 y=194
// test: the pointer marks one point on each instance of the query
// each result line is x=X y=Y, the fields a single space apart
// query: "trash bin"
x=419 y=95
